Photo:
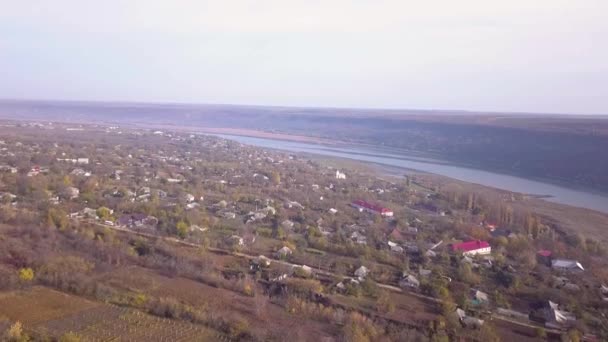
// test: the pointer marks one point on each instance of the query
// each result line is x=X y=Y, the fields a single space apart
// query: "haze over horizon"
x=545 y=57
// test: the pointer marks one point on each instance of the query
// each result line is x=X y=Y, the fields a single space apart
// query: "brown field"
x=46 y=312
x=264 y=317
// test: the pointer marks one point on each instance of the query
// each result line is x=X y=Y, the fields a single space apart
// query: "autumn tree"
x=26 y=274
x=276 y=178
x=182 y=229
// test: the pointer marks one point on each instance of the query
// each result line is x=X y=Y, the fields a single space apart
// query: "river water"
x=556 y=193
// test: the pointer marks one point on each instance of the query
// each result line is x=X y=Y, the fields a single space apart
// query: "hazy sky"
x=507 y=55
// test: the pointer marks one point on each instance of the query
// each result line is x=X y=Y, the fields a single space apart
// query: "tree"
x=276 y=177
x=104 y=213
x=15 y=333
x=384 y=303
x=182 y=229
x=541 y=333
x=26 y=274
x=57 y=218
x=69 y=337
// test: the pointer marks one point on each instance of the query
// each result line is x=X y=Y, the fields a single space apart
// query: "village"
x=306 y=231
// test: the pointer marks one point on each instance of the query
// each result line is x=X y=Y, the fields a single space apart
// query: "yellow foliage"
x=26 y=274
x=69 y=337
x=15 y=332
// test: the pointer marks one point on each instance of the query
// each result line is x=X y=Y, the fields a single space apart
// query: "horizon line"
x=454 y=112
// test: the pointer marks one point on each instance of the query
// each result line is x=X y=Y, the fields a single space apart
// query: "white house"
x=361 y=272
x=340 y=175
x=567 y=265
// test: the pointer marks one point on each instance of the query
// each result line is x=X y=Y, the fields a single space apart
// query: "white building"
x=340 y=175
x=567 y=265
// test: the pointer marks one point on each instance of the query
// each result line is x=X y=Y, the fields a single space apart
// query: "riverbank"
x=565 y=218
x=548 y=191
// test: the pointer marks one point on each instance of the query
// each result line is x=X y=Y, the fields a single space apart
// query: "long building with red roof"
x=472 y=247
x=372 y=208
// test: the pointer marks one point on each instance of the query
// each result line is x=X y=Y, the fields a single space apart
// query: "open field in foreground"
x=46 y=312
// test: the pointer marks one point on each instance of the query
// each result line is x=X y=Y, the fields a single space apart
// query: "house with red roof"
x=473 y=247
x=372 y=208
x=544 y=257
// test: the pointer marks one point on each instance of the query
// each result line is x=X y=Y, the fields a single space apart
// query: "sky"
x=481 y=55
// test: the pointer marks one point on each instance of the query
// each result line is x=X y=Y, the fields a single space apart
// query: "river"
x=554 y=193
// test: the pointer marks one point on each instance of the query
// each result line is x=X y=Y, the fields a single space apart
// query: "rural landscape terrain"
x=127 y=222
x=527 y=145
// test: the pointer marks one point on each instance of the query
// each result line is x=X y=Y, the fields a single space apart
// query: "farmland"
x=58 y=313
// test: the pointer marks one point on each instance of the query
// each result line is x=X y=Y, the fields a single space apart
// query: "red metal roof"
x=470 y=245
x=545 y=253
x=370 y=206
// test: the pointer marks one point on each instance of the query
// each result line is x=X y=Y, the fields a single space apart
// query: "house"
x=196 y=228
x=116 y=174
x=161 y=194
x=7 y=196
x=269 y=210
x=284 y=252
x=473 y=247
x=229 y=215
x=80 y=173
x=82 y=161
x=396 y=235
x=91 y=213
x=302 y=270
x=430 y=253
x=34 y=171
x=409 y=281
x=262 y=261
x=136 y=220
x=371 y=208
x=72 y=192
x=280 y=277
x=236 y=240
x=221 y=204
x=604 y=292
x=144 y=190
x=359 y=238
x=544 y=257
x=468 y=321
x=192 y=205
x=341 y=286
x=287 y=224
x=395 y=247
x=258 y=215
x=479 y=297
x=8 y=169
x=565 y=265
x=293 y=204
x=333 y=211
x=361 y=272
x=556 y=318
x=189 y=198
x=472 y=322
x=424 y=273
x=340 y=175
